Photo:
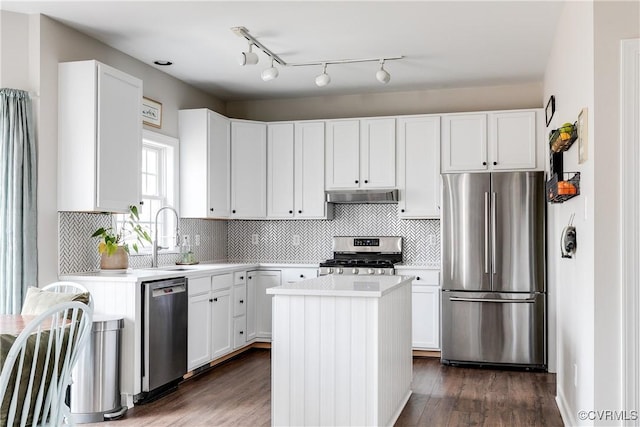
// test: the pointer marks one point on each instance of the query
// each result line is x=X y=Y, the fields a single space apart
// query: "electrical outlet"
x=296 y=240
x=254 y=239
x=186 y=239
x=197 y=239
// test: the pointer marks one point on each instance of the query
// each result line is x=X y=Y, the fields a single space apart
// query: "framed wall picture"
x=151 y=112
x=583 y=137
x=550 y=109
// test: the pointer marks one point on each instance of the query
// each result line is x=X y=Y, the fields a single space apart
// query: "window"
x=159 y=188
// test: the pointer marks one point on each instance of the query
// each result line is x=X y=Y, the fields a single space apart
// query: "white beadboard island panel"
x=341 y=350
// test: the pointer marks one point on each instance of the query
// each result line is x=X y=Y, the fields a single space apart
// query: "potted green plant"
x=112 y=247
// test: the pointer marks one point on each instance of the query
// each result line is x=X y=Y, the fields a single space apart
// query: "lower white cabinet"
x=239 y=311
x=425 y=307
x=264 y=279
x=210 y=319
x=252 y=278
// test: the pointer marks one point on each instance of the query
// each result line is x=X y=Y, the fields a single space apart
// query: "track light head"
x=270 y=73
x=324 y=78
x=383 y=75
x=248 y=58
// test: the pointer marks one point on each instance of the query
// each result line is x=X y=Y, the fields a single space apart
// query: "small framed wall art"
x=550 y=109
x=151 y=112
x=583 y=136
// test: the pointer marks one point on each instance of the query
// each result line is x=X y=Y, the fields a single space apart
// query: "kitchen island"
x=341 y=350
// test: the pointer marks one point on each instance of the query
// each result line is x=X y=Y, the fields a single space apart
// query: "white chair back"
x=37 y=369
x=68 y=287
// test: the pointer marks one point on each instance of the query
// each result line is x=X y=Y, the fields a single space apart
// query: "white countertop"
x=145 y=274
x=342 y=286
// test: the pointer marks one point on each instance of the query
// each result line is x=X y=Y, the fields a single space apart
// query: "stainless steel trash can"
x=95 y=389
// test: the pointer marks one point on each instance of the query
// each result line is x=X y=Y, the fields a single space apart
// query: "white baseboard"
x=567 y=415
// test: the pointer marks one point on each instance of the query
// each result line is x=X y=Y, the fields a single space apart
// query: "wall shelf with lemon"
x=562 y=186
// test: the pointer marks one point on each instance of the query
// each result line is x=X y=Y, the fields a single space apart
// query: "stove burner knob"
x=339 y=270
x=371 y=271
x=381 y=271
x=330 y=270
x=354 y=271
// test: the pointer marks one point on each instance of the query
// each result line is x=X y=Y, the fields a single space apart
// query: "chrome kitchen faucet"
x=154 y=259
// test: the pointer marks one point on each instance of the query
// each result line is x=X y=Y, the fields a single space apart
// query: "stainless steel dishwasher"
x=164 y=335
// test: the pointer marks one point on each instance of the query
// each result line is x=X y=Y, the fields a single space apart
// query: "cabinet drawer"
x=422 y=277
x=239 y=300
x=292 y=275
x=222 y=281
x=239 y=277
x=199 y=285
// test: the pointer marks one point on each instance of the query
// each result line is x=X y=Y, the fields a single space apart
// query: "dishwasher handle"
x=168 y=290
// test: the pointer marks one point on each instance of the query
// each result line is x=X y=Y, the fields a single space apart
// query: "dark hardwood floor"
x=238 y=393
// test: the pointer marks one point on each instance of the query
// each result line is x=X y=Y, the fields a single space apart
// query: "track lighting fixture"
x=250 y=58
x=383 y=75
x=324 y=78
x=270 y=73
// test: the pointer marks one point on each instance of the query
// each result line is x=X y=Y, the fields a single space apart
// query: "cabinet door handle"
x=356 y=181
x=215 y=299
x=241 y=301
x=211 y=209
x=250 y=277
x=290 y=212
x=241 y=332
x=141 y=202
x=299 y=211
x=401 y=210
x=241 y=277
x=495 y=163
x=210 y=300
x=366 y=181
x=302 y=276
x=417 y=277
x=233 y=211
x=484 y=163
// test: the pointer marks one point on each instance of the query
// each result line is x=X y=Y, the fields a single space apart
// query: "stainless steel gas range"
x=363 y=256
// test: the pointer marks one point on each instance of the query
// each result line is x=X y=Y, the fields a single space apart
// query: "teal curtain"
x=18 y=251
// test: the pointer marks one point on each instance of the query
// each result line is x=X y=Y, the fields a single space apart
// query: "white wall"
x=14 y=45
x=391 y=103
x=583 y=72
x=50 y=42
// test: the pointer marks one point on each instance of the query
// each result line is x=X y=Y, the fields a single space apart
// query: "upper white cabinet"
x=419 y=167
x=493 y=141
x=99 y=138
x=464 y=142
x=295 y=170
x=204 y=164
x=280 y=170
x=512 y=140
x=248 y=170
x=361 y=154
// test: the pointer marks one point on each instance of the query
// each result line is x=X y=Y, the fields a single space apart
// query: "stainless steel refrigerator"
x=493 y=269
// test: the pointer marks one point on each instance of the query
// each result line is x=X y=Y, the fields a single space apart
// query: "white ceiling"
x=445 y=44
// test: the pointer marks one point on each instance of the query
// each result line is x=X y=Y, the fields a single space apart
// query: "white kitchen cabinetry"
x=205 y=157
x=292 y=275
x=248 y=170
x=252 y=279
x=295 y=171
x=500 y=140
x=425 y=306
x=99 y=138
x=360 y=154
x=264 y=280
x=210 y=319
x=419 y=167
x=239 y=310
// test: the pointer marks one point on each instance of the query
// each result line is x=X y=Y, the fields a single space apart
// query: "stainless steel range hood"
x=362 y=196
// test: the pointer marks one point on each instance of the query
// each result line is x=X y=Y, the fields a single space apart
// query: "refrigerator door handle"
x=500 y=301
x=493 y=232
x=486 y=232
